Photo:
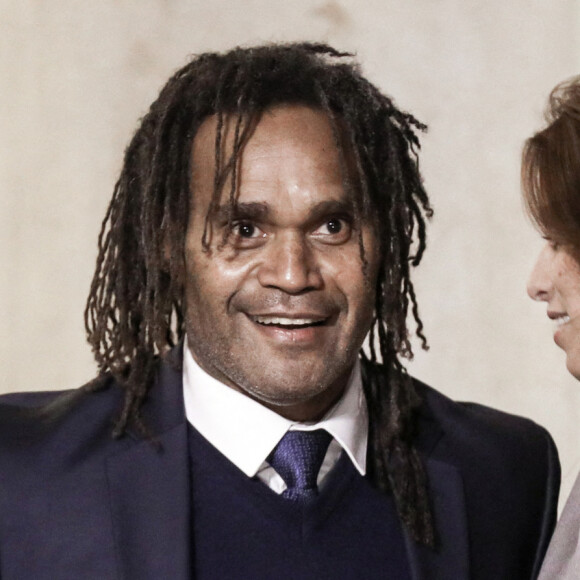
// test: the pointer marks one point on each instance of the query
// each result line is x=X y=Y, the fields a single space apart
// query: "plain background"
x=76 y=76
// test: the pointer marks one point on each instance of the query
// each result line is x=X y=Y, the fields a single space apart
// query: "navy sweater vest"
x=241 y=530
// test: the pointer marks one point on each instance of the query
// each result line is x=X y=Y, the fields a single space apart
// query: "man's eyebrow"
x=330 y=207
x=259 y=211
x=253 y=211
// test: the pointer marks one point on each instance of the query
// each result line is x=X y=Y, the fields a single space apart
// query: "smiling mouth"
x=288 y=323
x=561 y=320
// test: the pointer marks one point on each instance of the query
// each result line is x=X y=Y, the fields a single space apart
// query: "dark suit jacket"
x=76 y=504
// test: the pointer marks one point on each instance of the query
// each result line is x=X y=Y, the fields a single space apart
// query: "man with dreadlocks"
x=265 y=222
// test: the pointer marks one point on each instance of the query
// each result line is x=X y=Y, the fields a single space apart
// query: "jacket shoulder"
x=32 y=416
x=31 y=399
x=505 y=454
x=464 y=421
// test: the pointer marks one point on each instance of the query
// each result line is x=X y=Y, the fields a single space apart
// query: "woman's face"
x=555 y=280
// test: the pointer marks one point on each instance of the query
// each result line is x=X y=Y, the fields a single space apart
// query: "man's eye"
x=247 y=231
x=335 y=227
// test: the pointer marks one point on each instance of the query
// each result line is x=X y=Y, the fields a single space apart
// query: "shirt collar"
x=246 y=432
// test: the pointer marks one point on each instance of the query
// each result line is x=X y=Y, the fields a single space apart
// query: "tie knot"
x=297 y=459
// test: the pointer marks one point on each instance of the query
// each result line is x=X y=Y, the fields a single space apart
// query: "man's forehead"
x=224 y=143
x=288 y=115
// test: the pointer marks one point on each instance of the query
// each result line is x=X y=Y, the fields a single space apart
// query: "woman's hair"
x=551 y=168
x=135 y=310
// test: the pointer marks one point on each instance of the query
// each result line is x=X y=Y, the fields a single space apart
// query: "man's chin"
x=299 y=401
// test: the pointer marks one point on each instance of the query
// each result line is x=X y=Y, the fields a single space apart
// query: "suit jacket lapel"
x=450 y=558
x=150 y=489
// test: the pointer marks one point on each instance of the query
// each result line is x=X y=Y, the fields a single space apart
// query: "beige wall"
x=75 y=77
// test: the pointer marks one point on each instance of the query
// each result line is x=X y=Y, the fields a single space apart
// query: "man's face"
x=279 y=311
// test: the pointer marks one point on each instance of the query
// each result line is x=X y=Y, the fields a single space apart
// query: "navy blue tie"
x=297 y=459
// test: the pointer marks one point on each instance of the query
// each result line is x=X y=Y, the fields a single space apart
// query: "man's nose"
x=291 y=265
x=540 y=280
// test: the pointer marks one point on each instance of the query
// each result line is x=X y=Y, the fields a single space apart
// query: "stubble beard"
x=271 y=384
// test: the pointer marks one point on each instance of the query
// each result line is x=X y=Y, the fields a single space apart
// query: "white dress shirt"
x=246 y=432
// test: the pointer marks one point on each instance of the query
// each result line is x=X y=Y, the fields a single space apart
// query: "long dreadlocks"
x=135 y=312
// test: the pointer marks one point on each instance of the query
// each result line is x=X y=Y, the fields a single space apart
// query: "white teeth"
x=280 y=321
x=562 y=320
